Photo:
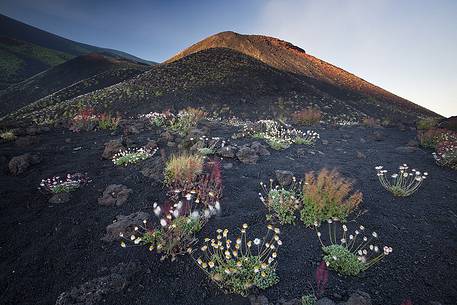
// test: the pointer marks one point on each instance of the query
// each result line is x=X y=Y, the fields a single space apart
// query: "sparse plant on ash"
x=281 y=203
x=57 y=184
x=107 y=121
x=327 y=195
x=433 y=136
x=7 y=135
x=207 y=146
x=370 y=122
x=280 y=137
x=427 y=123
x=350 y=253
x=205 y=187
x=321 y=277
x=307 y=117
x=175 y=233
x=403 y=183
x=186 y=120
x=159 y=119
x=236 y=266
x=446 y=154
x=183 y=169
x=132 y=156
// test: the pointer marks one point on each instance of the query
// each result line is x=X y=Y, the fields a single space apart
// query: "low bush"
x=7 y=135
x=183 y=169
x=278 y=136
x=186 y=120
x=327 y=195
x=57 y=184
x=132 y=156
x=403 y=183
x=307 y=117
x=427 y=123
x=87 y=119
x=351 y=253
x=370 y=122
x=205 y=188
x=159 y=119
x=281 y=203
x=108 y=122
x=238 y=265
x=446 y=154
x=433 y=136
x=175 y=233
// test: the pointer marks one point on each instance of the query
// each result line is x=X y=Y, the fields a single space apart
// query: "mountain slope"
x=221 y=79
x=26 y=50
x=64 y=75
x=285 y=56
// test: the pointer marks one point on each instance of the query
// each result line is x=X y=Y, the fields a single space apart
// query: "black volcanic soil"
x=48 y=249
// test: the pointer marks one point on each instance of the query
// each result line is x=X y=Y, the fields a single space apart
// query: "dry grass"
x=7 y=135
x=326 y=196
x=307 y=117
x=183 y=169
x=370 y=122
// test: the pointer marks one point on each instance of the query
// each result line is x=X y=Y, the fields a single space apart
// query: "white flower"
x=163 y=222
x=257 y=241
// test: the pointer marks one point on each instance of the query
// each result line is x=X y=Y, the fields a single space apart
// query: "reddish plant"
x=321 y=278
x=446 y=154
x=407 y=302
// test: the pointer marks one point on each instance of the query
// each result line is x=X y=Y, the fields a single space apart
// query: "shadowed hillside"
x=61 y=76
x=26 y=51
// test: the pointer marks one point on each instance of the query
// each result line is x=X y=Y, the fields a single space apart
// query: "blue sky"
x=406 y=47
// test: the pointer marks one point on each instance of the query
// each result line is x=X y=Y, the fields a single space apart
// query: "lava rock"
x=284 y=177
x=359 y=298
x=449 y=123
x=227 y=151
x=125 y=225
x=153 y=168
x=324 y=301
x=260 y=149
x=93 y=292
x=247 y=155
x=20 y=164
x=111 y=148
x=115 y=194
x=60 y=198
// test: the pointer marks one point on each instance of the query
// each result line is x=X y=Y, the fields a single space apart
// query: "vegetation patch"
x=239 y=265
x=327 y=195
x=403 y=183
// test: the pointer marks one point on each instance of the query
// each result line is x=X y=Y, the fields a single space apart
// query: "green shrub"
x=327 y=195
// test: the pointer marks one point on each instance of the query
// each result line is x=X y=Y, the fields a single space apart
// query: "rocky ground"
x=62 y=251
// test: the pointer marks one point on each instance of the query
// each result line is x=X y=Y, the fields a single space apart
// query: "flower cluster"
x=206 y=146
x=446 y=154
x=351 y=253
x=281 y=203
x=281 y=137
x=240 y=264
x=327 y=195
x=87 y=119
x=175 y=233
x=159 y=119
x=132 y=156
x=67 y=184
x=403 y=183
